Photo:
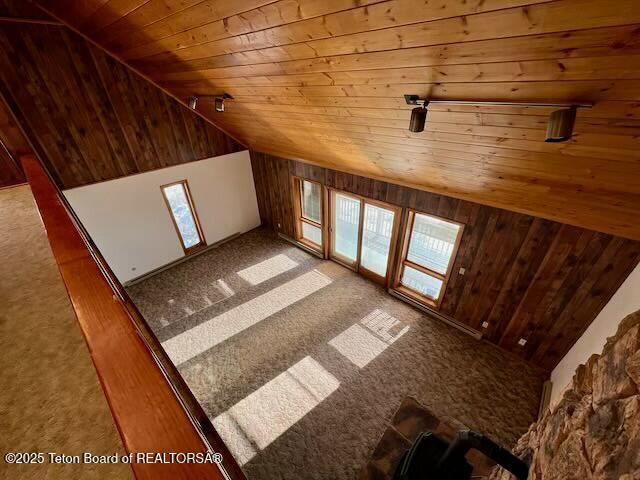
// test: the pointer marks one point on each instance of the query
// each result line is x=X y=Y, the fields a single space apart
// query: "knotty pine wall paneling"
x=528 y=277
x=93 y=118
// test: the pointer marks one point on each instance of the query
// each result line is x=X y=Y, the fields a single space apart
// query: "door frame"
x=330 y=228
x=393 y=244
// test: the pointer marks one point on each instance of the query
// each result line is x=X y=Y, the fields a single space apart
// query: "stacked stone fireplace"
x=593 y=432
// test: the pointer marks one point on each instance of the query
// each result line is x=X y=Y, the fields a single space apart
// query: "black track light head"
x=560 y=126
x=418 y=118
x=219 y=101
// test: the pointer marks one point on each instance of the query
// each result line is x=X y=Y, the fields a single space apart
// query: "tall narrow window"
x=429 y=249
x=309 y=229
x=178 y=200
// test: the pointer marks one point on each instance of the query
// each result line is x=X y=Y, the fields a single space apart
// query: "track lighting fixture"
x=418 y=118
x=559 y=127
x=218 y=101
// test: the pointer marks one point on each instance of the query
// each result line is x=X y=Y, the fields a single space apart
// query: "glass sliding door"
x=377 y=234
x=363 y=233
x=345 y=228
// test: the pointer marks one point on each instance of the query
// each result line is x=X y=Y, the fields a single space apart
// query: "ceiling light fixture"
x=418 y=118
x=559 y=127
x=218 y=101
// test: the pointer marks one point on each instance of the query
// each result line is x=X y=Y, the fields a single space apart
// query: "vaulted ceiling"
x=323 y=80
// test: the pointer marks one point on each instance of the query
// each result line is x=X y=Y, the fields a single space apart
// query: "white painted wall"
x=625 y=301
x=129 y=221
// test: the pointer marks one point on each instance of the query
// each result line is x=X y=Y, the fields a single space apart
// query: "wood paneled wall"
x=528 y=277
x=13 y=145
x=93 y=118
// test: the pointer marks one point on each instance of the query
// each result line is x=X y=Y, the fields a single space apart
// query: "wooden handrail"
x=152 y=407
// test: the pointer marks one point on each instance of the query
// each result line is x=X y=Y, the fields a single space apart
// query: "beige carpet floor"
x=301 y=363
x=50 y=396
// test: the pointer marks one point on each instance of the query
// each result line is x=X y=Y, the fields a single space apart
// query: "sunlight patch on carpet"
x=364 y=341
x=224 y=287
x=270 y=268
x=208 y=334
x=261 y=417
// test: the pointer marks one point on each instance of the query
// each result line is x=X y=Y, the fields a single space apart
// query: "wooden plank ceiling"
x=322 y=81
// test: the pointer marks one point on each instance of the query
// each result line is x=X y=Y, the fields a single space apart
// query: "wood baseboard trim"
x=300 y=245
x=448 y=320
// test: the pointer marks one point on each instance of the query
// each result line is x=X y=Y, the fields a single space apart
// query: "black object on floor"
x=432 y=458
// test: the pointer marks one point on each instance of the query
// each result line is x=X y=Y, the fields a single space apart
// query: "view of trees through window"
x=178 y=201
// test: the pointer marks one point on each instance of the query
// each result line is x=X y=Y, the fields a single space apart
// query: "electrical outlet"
x=485 y=324
x=461 y=271
x=522 y=342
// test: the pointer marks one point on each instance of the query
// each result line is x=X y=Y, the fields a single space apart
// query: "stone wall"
x=593 y=432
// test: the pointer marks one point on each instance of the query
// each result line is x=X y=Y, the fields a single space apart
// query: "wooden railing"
x=153 y=409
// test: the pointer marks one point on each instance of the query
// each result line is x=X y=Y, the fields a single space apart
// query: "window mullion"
x=425 y=270
x=310 y=222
